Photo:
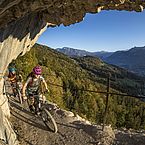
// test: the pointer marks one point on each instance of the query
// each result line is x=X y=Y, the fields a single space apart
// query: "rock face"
x=22 y=21
x=62 y=11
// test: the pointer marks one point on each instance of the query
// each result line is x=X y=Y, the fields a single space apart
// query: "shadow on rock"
x=105 y=137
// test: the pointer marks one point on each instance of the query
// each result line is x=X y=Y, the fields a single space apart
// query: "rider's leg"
x=36 y=104
x=14 y=89
x=31 y=103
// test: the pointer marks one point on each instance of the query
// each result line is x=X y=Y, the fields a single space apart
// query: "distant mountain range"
x=76 y=52
x=132 y=59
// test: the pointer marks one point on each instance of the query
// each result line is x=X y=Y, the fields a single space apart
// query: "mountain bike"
x=40 y=108
x=17 y=88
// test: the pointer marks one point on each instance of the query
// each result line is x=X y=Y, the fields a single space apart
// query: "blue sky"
x=107 y=30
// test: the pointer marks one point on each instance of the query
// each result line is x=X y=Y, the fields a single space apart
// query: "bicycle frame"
x=35 y=100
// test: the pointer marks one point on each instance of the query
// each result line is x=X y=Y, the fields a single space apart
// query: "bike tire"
x=49 y=120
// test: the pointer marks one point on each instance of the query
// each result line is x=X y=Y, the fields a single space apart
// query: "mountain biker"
x=33 y=88
x=14 y=79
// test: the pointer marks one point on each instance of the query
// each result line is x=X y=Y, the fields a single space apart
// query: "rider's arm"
x=45 y=84
x=25 y=85
x=24 y=89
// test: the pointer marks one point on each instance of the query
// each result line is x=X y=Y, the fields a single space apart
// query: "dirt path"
x=32 y=131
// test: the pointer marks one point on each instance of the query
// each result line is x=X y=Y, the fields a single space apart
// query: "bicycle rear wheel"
x=49 y=120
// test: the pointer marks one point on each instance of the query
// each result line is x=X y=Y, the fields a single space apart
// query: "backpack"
x=31 y=74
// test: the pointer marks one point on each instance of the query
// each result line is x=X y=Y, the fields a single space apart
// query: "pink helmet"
x=37 y=70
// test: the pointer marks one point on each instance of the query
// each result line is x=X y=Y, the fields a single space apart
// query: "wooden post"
x=142 y=87
x=107 y=99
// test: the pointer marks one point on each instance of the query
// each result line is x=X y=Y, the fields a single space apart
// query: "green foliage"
x=67 y=78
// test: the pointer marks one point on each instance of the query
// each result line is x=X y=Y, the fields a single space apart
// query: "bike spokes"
x=49 y=120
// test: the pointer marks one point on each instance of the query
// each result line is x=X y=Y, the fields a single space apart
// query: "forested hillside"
x=70 y=78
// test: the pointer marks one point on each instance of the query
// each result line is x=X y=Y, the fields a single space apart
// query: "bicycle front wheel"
x=49 y=120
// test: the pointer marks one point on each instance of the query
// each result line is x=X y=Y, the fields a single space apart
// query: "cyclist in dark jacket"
x=15 y=79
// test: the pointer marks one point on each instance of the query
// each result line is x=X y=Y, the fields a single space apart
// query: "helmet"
x=37 y=70
x=12 y=70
